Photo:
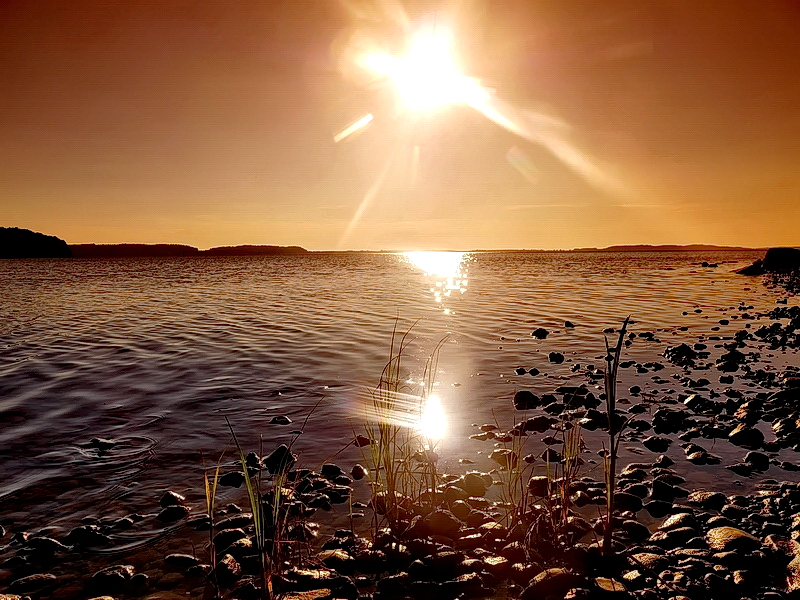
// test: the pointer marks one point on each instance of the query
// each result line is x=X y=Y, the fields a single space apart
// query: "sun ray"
x=368 y=198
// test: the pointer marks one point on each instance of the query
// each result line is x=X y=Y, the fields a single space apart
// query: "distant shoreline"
x=154 y=250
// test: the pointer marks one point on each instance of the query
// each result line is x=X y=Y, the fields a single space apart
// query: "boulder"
x=776 y=260
x=724 y=539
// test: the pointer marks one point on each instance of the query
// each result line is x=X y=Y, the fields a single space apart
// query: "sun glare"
x=427 y=76
x=432 y=422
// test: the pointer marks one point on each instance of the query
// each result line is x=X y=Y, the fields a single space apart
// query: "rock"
x=555 y=357
x=171 y=499
x=525 y=400
x=656 y=443
x=32 y=583
x=504 y=457
x=624 y=501
x=726 y=539
x=758 y=460
x=551 y=582
x=172 y=513
x=112 y=579
x=338 y=560
x=330 y=471
x=280 y=420
x=227 y=571
x=232 y=479
x=87 y=536
x=538 y=485
x=708 y=500
x=181 y=561
x=358 y=472
x=24 y=243
x=776 y=260
x=442 y=522
x=746 y=437
x=681 y=355
x=474 y=484
x=540 y=333
x=225 y=538
x=281 y=460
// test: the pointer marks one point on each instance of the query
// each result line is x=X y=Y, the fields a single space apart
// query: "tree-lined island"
x=24 y=243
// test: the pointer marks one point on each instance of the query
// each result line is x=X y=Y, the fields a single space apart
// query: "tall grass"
x=400 y=462
x=610 y=459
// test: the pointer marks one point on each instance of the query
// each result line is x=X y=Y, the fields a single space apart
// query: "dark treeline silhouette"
x=129 y=250
x=24 y=243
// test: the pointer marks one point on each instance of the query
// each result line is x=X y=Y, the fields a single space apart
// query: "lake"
x=152 y=354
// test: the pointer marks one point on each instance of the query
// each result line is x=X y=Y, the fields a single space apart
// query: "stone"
x=280 y=420
x=708 y=500
x=776 y=260
x=726 y=539
x=171 y=499
x=551 y=582
x=746 y=436
x=232 y=479
x=112 y=579
x=172 y=513
x=540 y=333
x=280 y=460
x=555 y=358
x=525 y=400
x=181 y=561
x=656 y=443
x=32 y=583
x=442 y=522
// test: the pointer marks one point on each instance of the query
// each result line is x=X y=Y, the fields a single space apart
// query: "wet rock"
x=551 y=582
x=45 y=545
x=358 y=472
x=624 y=501
x=758 y=460
x=538 y=485
x=708 y=500
x=228 y=571
x=540 y=333
x=112 y=579
x=555 y=358
x=225 y=538
x=338 y=560
x=32 y=583
x=232 y=479
x=171 y=498
x=656 y=443
x=171 y=514
x=87 y=536
x=474 y=484
x=504 y=457
x=280 y=460
x=658 y=508
x=442 y=522
x=329 y=471
x=746 y=437
x=681 y=355
x=181 y=561
x=742 y=469
x=525 y=400
x=235 y=522
x=726 y=539
x=280 y=420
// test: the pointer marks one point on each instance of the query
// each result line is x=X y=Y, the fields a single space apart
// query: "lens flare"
x=432 y=422
x=427 y=76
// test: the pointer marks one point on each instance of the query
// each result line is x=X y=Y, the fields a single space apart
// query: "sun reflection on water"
x=447 y=271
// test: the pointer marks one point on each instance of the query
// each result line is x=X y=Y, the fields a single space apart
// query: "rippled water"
x=154 y=353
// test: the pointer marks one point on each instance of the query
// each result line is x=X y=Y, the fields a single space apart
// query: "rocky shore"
x=469 y=537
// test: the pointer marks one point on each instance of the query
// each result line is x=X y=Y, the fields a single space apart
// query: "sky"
x=213 y=123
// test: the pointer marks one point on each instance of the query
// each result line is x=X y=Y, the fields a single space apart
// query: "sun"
x=427 y=76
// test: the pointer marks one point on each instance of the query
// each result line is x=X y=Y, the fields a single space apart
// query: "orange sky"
x=211 y=123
